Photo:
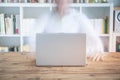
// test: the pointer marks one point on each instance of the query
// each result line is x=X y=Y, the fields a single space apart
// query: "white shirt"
x=71 y=22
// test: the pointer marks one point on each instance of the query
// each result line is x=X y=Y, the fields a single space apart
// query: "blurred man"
x=66 y=20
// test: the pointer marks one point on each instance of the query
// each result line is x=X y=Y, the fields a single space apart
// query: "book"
x=90 y=1
x=22 y=1
x=41 y=1
x=86 y=1
x=28 y=26
x=11 y=27
x=13 y=49
x=33 y=1
x=101 y=26
x=2 y=22
x=106 y=25
x=4 y=49
x=0 y=25
x=81 y=1
x=5 y=1
x=47 y=1
x=9 y=24
x=17 y=26
x=52 y=1
x=77 y=1
x=98 y=25
x=15 y=1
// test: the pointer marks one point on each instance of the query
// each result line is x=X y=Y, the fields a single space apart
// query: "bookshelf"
x=116 y=35
x=26 y=11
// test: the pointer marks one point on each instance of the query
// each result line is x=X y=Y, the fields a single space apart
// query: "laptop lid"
x=61 y=49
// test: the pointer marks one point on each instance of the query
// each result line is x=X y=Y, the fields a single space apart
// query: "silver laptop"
x=61 y=49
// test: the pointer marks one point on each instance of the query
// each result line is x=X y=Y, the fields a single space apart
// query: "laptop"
x=61 y=49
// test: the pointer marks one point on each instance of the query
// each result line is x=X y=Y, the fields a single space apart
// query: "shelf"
x=9 y=35
x=49 y=5
x=117 y=8
x=116 y=34
x=101 y=35
x=104 y=35
x=24 y=5
x=93 y=4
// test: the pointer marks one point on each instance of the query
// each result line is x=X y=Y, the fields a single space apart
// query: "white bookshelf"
x=116 y=37
x=26 y=10
x=15 y=35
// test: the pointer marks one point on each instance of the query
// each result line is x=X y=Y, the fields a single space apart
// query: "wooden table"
x=17 y=66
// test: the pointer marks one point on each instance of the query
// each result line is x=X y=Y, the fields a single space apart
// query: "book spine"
x=11 y=25
x=52 y=1
x=6 y=24
x=11 y=1
x=5 y=1
x=34 y=1
x=49 y=1
x=20 y=1
x=78 y=1
x=29 y=1
x=4 y=49
x=41 y=1
x=91 y=1
x=81 y=1
x=25 y=1
x=85 y=1
x=74 y=1
x=14 y=24
x=17 y=24
x=15 y=1
x=99 y=23
x=8 y=1
x=103 y=22
x=2 y=24
x=97 y=27
x=106 y=25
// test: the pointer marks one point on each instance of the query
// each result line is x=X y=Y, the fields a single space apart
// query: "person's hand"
x=97 y=57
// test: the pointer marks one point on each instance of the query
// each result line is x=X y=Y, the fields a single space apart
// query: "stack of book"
x=49 y=1
x=9 y=49
x=88 y=1
x=9 y=24
x=118 y=47
x=4 y=49
x=101 y=26
x=24 y=1
x=97 y=1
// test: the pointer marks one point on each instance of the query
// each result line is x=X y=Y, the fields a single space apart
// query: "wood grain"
x=20 y=66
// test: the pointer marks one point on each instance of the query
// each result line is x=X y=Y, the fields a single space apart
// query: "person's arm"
x=38 y=27
x=94 y=45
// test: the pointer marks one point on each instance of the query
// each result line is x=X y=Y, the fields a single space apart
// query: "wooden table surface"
x=17 y=66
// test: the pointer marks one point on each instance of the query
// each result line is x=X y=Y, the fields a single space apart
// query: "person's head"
x=62 y=5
